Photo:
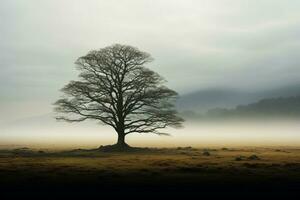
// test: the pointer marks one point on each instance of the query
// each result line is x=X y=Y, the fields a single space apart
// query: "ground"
x=179 y=171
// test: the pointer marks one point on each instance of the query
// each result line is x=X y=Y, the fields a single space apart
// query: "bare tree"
x=116 y=89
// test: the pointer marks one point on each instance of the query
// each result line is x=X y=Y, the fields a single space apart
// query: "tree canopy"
x=116 y=88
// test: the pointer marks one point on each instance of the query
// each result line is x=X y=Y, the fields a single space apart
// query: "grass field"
x=180 y=171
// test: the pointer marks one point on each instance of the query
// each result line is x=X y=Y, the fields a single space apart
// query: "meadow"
x=164 y=171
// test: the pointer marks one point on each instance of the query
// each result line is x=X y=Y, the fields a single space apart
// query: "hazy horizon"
x=45 y=132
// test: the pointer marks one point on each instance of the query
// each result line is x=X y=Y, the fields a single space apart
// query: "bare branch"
x=116 y=89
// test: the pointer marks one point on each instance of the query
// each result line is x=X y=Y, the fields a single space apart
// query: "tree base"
x=118 y=148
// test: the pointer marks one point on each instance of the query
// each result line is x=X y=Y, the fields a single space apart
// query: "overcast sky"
x=244 y=44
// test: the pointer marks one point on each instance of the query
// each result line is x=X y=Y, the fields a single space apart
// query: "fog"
x=214 y=53
x=44 y=132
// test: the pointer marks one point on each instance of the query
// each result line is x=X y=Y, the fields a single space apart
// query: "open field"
x=180 y=171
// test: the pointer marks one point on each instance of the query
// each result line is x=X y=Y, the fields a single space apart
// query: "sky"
x=243 y=44
x=248 y=45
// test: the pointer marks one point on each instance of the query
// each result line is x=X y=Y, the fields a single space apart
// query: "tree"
x=116 y=89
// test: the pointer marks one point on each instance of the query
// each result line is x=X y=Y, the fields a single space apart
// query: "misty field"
x=181 y=170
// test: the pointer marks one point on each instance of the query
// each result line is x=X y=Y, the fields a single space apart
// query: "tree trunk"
x=121 y=140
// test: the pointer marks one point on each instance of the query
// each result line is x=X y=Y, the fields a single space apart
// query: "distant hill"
x=203 y=100
x=277 y=107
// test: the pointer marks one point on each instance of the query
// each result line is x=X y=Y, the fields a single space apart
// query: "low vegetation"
x=184 y=168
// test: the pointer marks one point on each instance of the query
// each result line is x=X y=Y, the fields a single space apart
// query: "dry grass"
x=148 y=160
x=184 y=167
